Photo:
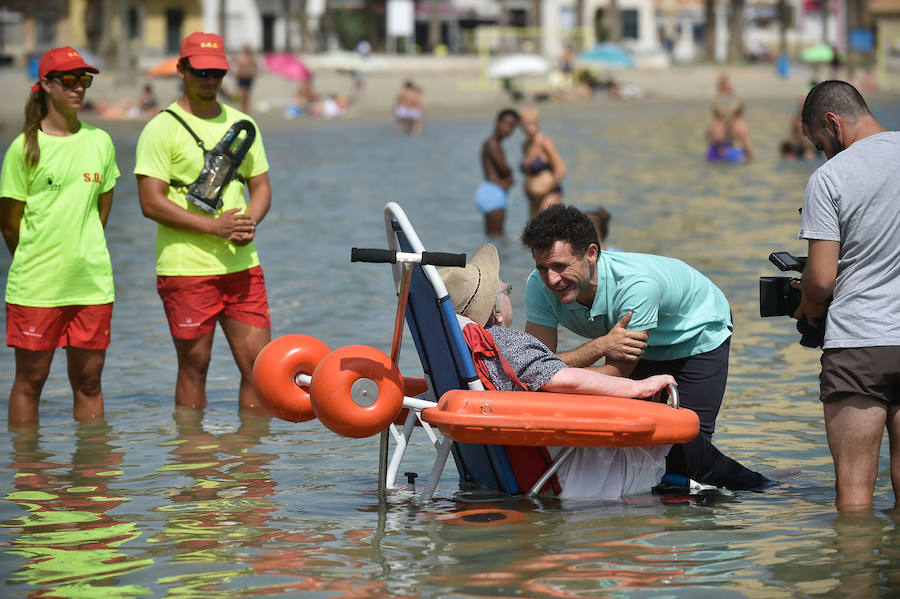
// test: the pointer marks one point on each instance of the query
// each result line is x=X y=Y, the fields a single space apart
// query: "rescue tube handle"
x=393 y=256
x=669 y=395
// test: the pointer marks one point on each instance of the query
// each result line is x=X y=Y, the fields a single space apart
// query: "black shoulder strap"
x=175 y=182
x=189 y=130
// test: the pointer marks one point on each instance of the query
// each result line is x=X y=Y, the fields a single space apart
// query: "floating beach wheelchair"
x=498 y=439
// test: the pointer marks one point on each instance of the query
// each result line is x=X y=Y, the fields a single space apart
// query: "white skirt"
x=612 y=472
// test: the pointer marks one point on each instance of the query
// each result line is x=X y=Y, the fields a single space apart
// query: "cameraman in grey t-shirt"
x=851 y=218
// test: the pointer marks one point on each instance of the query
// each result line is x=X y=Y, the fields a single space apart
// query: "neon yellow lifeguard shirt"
x=61 y=258
x=166 y=151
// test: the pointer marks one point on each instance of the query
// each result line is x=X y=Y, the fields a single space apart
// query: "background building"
x=139 y=33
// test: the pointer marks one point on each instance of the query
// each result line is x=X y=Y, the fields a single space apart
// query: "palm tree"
x=783 y=21
x=614 y=21
x=502 y=22
x=736 y=31
x=709 y=29
x=326 y=25
x=123 y=55
x=102 y=15
x=286 y=12
x=374 y=24
x=579 y=25
x=434 y=23
x=305 y=46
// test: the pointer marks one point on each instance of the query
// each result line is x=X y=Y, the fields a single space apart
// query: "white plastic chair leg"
x=437 y=469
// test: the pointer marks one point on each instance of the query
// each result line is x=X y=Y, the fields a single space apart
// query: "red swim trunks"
x=44 y=329
x=193 y=305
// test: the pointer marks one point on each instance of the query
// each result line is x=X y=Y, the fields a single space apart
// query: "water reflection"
x=67 y=540
x=225 y=505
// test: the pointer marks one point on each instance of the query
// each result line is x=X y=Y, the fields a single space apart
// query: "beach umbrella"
x=287 y=65
x=166 y=68
x=608 y=55
x=518 y=65
x=820 y=53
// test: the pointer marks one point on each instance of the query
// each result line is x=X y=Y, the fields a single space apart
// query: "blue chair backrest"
x=447 y=362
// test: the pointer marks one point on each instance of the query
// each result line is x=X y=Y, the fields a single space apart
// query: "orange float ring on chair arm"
x=276 y=371
x=356 y=391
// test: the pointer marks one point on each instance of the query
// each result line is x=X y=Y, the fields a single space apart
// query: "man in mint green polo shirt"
x=646 y=315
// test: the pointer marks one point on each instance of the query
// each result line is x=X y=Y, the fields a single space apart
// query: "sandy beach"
x=450 y=84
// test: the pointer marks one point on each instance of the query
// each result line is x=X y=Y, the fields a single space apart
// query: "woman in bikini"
x=542 y=165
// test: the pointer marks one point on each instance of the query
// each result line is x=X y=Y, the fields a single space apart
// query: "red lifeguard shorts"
x=193 y=305
x=44 y=329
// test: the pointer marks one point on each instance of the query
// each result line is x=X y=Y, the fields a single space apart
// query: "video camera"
x=778 y=298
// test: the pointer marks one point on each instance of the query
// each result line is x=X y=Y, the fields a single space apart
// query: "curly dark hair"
x=507 y=112
x=560 y=223
x=832 y=96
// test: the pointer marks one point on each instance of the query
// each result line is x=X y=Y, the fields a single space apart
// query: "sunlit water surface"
x=152 y=503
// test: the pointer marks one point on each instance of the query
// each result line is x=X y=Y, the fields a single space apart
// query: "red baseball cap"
x=205 y=51
x=66 y=58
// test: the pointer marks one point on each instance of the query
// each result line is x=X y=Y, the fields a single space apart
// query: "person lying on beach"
x=478 y=293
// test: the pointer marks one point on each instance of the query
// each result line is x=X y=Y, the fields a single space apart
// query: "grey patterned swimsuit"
x=532 y=361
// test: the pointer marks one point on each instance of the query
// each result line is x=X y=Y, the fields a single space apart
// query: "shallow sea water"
x=157 y=503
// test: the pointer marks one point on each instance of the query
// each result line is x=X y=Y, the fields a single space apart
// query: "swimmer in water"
x=542 y=165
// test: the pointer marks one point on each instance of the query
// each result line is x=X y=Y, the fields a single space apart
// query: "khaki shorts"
x=868 y=371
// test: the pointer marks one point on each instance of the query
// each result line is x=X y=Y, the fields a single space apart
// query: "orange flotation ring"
x=356 y=391
x=275 y=375
x=557 y=419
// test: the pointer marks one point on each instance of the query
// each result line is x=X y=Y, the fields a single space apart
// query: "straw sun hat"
x=474 y=289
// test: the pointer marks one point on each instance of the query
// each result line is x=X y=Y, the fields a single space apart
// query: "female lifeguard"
x=56 y=190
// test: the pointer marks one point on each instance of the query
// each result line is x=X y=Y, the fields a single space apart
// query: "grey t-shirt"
x=854 y=198
x=531 y=360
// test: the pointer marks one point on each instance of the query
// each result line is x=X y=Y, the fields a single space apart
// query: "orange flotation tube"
x=557 y=419
x=357 y=391
x=275 y=374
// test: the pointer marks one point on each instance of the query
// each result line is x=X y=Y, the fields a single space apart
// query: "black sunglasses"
x=204 y=73
x=69 y=80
